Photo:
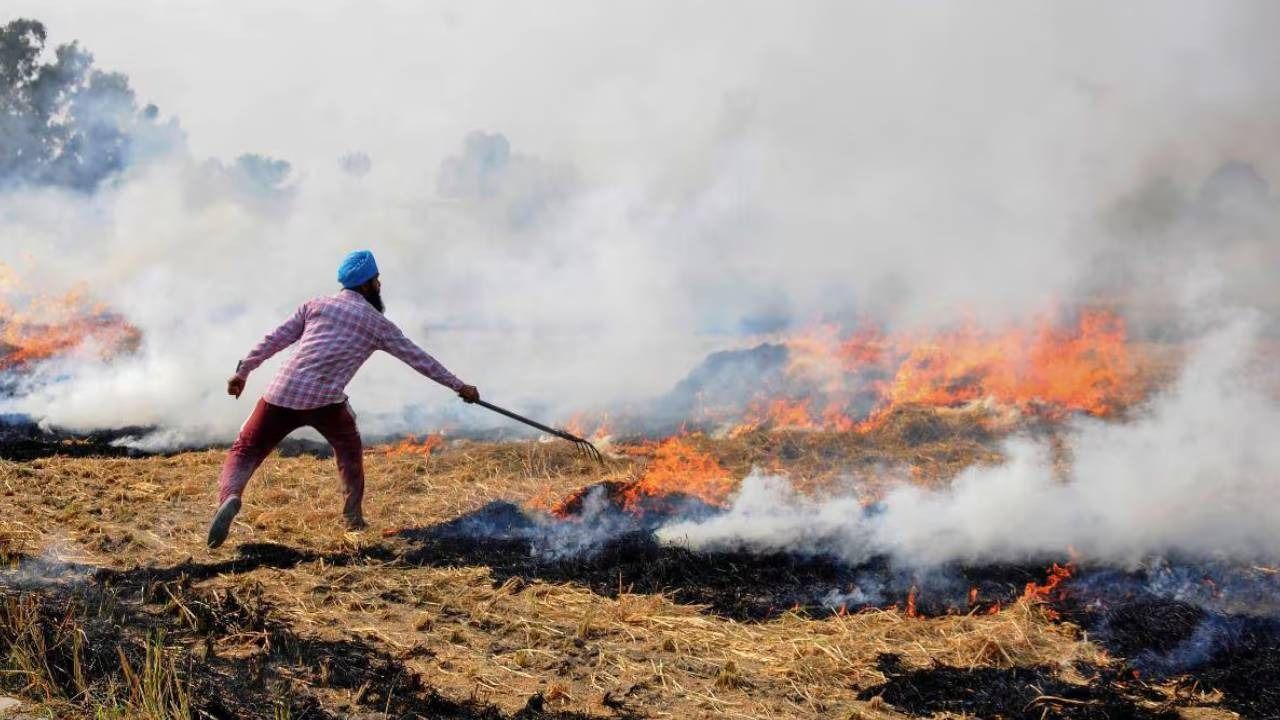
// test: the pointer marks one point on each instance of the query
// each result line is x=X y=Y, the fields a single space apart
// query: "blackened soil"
x=1238 y=655
x=1033 y=693
x=1248 y=673
x=735 y=584
x=25 y=440
x=22 y=440
x=1150 y=625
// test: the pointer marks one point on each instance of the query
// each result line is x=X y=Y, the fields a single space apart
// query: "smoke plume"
x=573 y=214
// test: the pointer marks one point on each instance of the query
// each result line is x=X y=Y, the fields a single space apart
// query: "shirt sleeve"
x=395 y=343
x=280 y=338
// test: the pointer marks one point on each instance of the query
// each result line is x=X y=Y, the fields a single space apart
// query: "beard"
x=375 y=299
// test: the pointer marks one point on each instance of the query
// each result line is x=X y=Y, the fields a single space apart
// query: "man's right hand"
x=469 y=393
x=235 y=386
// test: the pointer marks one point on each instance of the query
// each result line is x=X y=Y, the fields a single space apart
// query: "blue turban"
x=357 y=268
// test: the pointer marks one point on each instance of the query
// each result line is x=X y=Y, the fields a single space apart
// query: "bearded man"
x=335 y=335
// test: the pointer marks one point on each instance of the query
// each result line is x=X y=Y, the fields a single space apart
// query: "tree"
x=65 y=123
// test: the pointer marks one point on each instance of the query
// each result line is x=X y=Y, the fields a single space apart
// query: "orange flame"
x=1050 y=589
x=410 y=445
x=780 y=414
x=600 y=426
x=1047 y=369
x=546 y=500
x=679 y=467
x=40 y=327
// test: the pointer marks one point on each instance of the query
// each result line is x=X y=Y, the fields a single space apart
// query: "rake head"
x=585 y=447
x=581 y=443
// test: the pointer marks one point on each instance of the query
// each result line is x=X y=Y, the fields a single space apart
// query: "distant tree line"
x=65 y=123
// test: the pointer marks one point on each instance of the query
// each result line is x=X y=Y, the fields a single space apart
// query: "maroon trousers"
x=269 y=424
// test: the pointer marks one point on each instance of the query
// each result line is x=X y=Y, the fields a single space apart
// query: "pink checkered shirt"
x=335 y=335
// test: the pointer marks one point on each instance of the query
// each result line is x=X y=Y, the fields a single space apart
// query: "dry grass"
x=471 y=638
x=668 y=660
x=48 y=658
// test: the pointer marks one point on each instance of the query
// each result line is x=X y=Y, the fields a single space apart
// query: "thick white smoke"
x=1197 y=475
x=572 y=207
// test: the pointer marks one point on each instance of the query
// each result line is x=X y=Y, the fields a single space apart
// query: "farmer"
x=335 y=335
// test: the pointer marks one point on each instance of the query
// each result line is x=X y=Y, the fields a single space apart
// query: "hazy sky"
x=678 y=172
x=600 y=84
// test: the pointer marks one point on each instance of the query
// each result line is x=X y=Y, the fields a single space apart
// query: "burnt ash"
x=1247 y=670
x=738 y=585
x=743 y=586
x=1150 y=625
x=1212 y=625
x=1034 y=693
x=1164 y=638
x=616 y=551
x=22 y=439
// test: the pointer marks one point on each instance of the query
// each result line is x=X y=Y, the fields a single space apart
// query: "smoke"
x=572 y=214
x=1195 y=476
x=597 y=524
x=49 y=567
x=514 y=191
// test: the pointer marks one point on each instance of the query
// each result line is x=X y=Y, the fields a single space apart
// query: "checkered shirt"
x=335 y=335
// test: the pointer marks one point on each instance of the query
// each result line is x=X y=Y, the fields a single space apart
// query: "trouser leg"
x=262 y=432
x=338 y=426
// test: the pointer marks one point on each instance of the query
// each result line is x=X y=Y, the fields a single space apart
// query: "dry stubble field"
x=294 y=617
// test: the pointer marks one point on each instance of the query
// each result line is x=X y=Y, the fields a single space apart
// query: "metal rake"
x=583 y=444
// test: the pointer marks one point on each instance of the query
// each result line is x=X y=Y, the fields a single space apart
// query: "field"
x=113 y=607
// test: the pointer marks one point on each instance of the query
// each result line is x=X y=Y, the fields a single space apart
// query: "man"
x=335 y=335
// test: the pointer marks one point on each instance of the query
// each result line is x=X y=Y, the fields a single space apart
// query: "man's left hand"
x=469 y=393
